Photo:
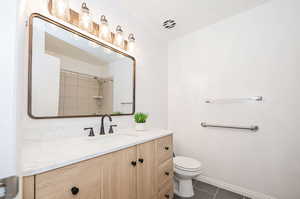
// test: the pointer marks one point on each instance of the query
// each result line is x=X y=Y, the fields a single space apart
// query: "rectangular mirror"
x=73 y=75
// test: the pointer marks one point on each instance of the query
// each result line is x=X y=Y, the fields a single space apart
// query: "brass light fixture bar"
x=74 y=20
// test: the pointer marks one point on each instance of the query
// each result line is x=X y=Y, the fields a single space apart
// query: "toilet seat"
x=187 y=164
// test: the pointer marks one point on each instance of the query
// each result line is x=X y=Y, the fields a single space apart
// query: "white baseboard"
x=236 y=189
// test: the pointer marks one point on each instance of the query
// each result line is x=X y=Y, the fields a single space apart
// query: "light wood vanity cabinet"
x=68 y=181
x=164 y=167
x=144 y=171
x=147 y=186
x=118 y=175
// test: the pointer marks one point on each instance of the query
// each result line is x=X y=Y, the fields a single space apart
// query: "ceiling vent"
x=169 y=24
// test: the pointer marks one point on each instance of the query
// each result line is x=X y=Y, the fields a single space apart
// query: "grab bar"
x=251 y=128
x=234 y=100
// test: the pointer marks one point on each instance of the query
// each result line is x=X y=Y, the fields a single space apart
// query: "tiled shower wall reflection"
x=82 y=94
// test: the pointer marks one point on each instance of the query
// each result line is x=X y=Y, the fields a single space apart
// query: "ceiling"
x=189 y=15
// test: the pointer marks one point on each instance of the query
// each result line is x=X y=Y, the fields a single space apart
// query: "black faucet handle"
x=111 y=130
x=91 y=134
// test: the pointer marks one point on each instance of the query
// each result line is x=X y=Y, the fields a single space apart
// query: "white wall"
x=8 y=49
x=254 y=53
x=151 y=89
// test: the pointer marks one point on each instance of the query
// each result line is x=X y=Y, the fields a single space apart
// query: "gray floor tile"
x=201 y=186
x=198 y=195
x=207 y=191
x=224 y=194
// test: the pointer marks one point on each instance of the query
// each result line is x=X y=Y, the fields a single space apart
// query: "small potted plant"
x=140 y=120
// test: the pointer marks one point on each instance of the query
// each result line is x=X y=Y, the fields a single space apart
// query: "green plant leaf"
x=140 y=117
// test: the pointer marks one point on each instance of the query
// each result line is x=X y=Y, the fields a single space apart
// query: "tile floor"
x=207 y=191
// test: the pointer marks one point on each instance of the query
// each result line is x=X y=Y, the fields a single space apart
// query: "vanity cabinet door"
x=80 y=181
x=119 y=175
x=164 y=149
x=147 y=171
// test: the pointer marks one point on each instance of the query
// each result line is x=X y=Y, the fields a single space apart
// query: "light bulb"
x=131 y=41
x=119 y=37
x=85 y=19
x=104 y=29
x=61 y=9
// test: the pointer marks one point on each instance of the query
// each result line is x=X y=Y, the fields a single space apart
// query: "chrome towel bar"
x=251 y=128
x=124 y=103
x=234 y=100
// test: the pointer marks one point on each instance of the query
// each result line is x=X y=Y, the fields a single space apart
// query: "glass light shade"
x=61 y=9
x=85 y=19
x=131 y=42
x=119 y=40
x=104 y=32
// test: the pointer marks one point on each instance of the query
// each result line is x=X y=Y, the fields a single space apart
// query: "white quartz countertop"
x=39 y=156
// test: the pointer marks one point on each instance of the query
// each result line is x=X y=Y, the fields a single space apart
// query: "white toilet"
x=185 y=169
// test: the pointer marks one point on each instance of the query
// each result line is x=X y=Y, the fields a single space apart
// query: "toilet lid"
x=185 y=163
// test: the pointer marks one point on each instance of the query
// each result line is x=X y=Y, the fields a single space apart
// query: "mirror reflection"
x=73 y=76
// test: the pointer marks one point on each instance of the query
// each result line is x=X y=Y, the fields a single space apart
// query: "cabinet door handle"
x=75 y=190
x=141 y=160
x=133 y=163
x=167 y=196
x=167 y=173
x=166 y=148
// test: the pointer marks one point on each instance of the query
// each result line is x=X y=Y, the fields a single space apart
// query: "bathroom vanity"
x=72 y=74
x=123 y=166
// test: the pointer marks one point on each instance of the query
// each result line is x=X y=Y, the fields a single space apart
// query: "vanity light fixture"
x=118 y=39
x=131 y=41
x=85 y=19
x=103 y=28
x=61 y=9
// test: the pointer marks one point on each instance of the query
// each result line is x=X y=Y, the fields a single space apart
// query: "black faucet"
x=91 y=131
x=102 y=131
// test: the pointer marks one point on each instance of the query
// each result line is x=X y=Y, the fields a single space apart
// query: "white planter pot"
x=140 y=126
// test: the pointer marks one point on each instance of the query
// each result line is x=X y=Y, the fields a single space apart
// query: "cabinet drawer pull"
x=167 y=173
x=133 y=163
x=166 y=148
x=167 y=196
x=141 y=160
x=75 y=190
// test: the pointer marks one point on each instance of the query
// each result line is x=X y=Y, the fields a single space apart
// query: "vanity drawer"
x=81 y=181
x=165 y=173
x=164 y=149
x=167 y=191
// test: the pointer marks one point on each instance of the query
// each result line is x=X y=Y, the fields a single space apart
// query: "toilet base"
x=183 y=187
